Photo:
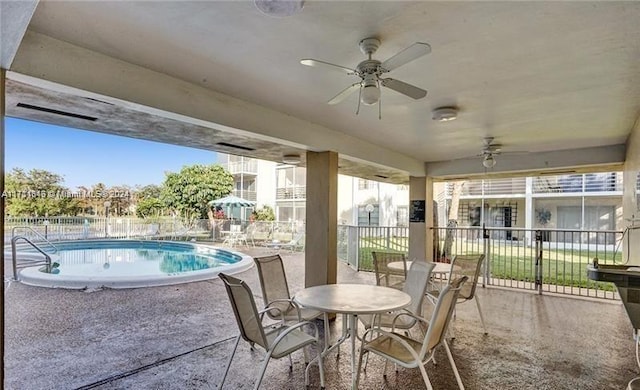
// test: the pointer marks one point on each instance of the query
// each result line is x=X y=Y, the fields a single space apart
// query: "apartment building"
x=590 y=201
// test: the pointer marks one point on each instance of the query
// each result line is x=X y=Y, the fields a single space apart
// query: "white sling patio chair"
x=386 y=276
x=416 y=286
x=469 y=266
x=275 y=291
x=278 y=341
x=411 y=353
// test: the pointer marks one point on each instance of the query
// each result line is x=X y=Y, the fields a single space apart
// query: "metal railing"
x=26 y=261
x=31 y=232
x=552 y=261
x=284 y=193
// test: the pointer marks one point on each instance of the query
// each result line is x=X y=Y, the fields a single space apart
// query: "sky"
x=86 y=158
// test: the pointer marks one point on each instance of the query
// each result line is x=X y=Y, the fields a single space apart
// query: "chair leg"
x=291 y=363
x=425 y=377
x=235 y=347
x=362 y=351
x=475 y=298
x=453 y=364
x=264 y=368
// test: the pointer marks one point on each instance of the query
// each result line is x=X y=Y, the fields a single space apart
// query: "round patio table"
x=351 y=300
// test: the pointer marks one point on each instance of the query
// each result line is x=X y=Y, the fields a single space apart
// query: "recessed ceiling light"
x=292 y=158
x=445 y=114
x=280 y=8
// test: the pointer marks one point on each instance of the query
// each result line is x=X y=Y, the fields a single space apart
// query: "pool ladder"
x=25 y=262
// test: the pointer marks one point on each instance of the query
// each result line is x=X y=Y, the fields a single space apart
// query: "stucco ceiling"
x=537 y=76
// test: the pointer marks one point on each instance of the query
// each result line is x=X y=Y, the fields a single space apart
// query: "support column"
x=421 y=218
x=321 y=241
x=528 y=210
x=2 y=207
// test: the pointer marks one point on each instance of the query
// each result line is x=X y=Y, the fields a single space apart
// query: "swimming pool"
x=132 y=264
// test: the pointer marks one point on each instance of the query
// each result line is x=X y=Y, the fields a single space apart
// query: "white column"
x=321 y=245
x=2 y=208
x=420 y=218
x=528 y=209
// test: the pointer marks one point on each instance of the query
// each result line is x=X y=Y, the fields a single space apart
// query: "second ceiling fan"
x=370 y=72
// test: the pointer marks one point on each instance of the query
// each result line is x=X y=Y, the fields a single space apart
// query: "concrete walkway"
x=179 y=337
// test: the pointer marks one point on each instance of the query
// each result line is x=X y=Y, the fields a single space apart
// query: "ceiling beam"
x=63 y=64
x=14 y=20
x=567 y=161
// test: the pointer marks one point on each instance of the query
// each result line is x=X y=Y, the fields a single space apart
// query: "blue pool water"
x=131 y=263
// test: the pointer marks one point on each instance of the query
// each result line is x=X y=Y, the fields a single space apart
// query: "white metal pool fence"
x=541 y=260
x=83 y=228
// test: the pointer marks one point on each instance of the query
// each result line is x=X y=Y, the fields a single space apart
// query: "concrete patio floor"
x=179 y=337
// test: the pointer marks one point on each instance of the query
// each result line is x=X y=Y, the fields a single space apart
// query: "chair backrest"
x=441 y=316
x=244 y=308
x=469 y=266
x=273 y=281
x=380 y=262
x=416 y=284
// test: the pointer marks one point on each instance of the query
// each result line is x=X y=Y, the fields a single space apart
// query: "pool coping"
x=34 y=277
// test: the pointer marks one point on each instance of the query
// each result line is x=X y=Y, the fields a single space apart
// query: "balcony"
x=291 y=193
x=477 y=188
x=245 y=167
x=594 y=182
x=245 y=194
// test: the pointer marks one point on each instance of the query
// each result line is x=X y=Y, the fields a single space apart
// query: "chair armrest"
x=393 y=336
x=291 y=328
x=290 y=302
x=268 y=308
x=406 y=313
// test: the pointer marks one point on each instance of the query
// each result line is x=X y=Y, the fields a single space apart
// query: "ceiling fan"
x=370 y=72
x=489 y=151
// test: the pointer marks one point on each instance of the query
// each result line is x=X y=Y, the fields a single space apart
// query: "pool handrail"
x=14 y=259
x=36 y=233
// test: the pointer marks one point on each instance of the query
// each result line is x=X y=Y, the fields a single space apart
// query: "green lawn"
x=511 y=262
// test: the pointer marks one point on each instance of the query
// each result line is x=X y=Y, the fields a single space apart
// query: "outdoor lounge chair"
x=278 y=341
x=386 y=276
x=469 y=266
x=297 y=243
x=411 y=353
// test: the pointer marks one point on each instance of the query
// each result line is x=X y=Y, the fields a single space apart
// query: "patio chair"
x=386 y=276
x=416 y=286
x=278 y=341
x=411 y=353
x=469 y=266
x=275 y=291
x=296 y=243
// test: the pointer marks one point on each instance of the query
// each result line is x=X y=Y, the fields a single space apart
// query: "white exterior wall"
x=266 y=184
x=347 y=212
x=630 y=204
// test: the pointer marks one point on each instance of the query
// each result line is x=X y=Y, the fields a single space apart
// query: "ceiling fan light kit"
x=489 y=161
x=445 y=114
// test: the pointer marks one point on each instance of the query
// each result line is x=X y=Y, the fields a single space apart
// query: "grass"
x=512 y=262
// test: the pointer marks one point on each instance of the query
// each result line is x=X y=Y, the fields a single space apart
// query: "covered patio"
x=557 y=82
x=180 y=337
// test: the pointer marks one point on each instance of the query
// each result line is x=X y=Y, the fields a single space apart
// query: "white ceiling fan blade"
x=409 y=54
x=344 y=93
x=404 y=88
x=323 y=64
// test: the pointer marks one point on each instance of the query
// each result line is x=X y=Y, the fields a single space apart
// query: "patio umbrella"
x=231 y=201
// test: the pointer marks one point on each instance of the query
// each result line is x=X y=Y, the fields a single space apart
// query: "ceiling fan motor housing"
x=368 y=46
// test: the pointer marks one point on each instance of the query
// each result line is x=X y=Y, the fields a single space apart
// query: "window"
x=402 y=215
x=364 y=184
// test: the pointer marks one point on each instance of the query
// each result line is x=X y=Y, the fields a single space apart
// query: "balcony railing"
x=593 y=182
x=249 y=167
x=474 y=188
x=245 y=194
x=289 y=193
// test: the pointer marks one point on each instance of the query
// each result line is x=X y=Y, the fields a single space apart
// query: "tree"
x=37 y=193
x=265 y=213
x=149 y=191
x=452 y=223
x=189 y=191
x=149 y=207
